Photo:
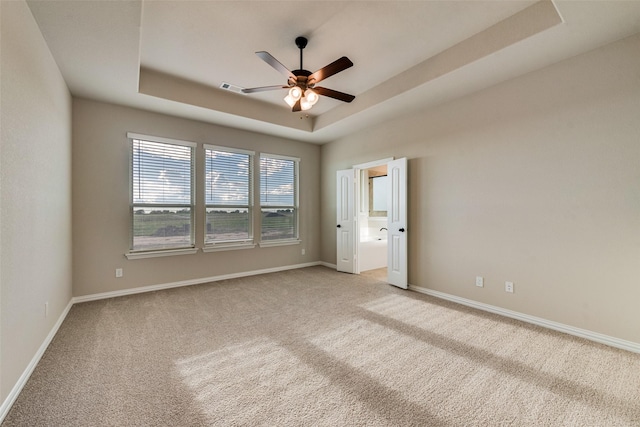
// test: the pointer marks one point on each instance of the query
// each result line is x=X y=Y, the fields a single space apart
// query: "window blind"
x=161 y=195
x=277 y=182
x=227 y=178
x=228 y=189
x=278 y=198
x=161 y=173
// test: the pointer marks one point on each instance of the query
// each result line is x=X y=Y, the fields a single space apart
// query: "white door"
x=397 y=223
x=345 y=223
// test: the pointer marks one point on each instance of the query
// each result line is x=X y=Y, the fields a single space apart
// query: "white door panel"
x=345 y=224
x=397 y=273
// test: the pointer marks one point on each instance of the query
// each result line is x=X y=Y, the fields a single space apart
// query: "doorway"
x=372 y=223
x=363 y=222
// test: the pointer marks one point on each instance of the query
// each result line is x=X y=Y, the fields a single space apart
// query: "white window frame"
x=296 y=200
x=167 y=251
x=225 y=245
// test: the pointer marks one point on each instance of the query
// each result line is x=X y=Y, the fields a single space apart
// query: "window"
x=162 y=194
x=163 y=198
x=279 y=198
x=228 y=195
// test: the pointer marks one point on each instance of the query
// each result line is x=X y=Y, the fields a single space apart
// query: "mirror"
x=378 y=196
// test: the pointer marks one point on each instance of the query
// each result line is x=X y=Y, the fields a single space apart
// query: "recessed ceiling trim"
x=165 y=86
x=99 y=47
x=519 y=26
x=524 y=24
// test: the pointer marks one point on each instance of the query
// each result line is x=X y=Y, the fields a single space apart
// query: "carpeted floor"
x=316 y=347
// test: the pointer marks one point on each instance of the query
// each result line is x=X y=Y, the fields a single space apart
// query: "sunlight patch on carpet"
x=245 y=384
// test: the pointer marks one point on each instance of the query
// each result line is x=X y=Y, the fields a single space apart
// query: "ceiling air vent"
x=232 y=88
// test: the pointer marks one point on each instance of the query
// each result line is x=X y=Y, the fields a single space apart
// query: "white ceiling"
x=172 y=56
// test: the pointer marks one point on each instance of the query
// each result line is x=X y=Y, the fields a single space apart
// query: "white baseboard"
x=328 y=265
x=17 y=388
x=151 y=288
x=571 y=330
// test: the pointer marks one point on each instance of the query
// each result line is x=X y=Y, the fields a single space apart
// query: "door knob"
x=338 y=226
x=401 y=230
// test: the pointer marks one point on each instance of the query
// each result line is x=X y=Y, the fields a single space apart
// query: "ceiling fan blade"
x=263 y=88
x=340 y=96
x=334 y=68
x=297 y=106
x=269 y=59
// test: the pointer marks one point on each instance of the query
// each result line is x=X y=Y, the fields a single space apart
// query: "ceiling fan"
x=303 y=92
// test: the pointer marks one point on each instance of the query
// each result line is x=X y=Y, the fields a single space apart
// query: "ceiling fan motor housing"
x=302 y=79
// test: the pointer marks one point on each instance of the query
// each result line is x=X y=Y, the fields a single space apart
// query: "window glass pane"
x=228 y=196
x=161 y=195
x=279 y=224
x=277 y=182
x=161 y=228
x=161 y=173
x=279 y=198
x=227 y=178
x=227 y=224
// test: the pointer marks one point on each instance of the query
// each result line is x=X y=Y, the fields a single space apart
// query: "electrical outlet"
x=508 y=287
x=479 y=281
x=118 y=272
x=304 y=251
x=46 y=309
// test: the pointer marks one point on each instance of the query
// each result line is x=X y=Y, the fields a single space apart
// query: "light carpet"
x=313 y=347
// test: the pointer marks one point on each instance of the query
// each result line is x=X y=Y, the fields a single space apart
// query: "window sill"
x=160 y=253
x=228 y=247
x=269 y=243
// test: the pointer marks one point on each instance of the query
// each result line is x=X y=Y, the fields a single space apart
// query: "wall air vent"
x=232 y=88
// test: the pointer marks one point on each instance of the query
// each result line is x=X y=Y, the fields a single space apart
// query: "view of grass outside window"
x=162 y=194
x=228 y=189
x=279 y=197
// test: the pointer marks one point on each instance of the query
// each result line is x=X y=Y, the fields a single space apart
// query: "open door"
x=345 y=224
x=397 y=273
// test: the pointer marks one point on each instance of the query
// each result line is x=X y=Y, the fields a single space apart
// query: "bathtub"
x=372 y=252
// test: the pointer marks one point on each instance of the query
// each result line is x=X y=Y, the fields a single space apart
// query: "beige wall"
x=35 y=186
x=535 y=181
x=101 y=200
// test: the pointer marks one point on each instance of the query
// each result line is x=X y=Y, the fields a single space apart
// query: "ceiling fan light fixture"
x=305 y=104
x=309 y=100
x=311 y=96
x=295 y=93
x=290 y=101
